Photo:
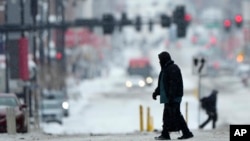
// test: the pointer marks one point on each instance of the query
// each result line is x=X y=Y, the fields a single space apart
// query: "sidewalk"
x=220 y=134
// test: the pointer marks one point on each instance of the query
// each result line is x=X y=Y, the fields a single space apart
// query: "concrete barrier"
x=11 y=120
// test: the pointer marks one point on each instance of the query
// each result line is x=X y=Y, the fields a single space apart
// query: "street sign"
x=200 y=69
x=199 y=65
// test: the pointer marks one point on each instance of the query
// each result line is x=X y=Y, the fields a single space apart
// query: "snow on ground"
x=123 y=125
x=104 y=105
x=211 y=135
x=99 y=103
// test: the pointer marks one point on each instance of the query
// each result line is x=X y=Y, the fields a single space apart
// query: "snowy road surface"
x=82 y=125
x=103 y=106
x=204 y=135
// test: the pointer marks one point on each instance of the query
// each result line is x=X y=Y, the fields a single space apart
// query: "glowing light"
x=58 y=55
x=129 y=84
x=149 y=80
x=141 y=83
x=238 y=18
x=188 y=17
x=240 y=58
x=65 y=105
x=227 y=23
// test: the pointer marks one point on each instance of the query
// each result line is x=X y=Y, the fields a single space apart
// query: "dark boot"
x=186 y=136
x=185 y=130
x=161 y=137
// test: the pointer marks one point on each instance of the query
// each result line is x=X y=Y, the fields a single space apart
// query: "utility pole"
x=60 y=45
x=49 y=33
x=200 y=69
x=34 y=12
x=7 y=88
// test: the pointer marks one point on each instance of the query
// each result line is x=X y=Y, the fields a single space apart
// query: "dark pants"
x=173 y=120
x=211 y=117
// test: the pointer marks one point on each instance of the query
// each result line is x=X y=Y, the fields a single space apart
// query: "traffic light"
x=179 y=20
x=124 y=21
x=181 y=29
x=138 y=23
x=179 y=14
x=240 y=57
x=108 y=23
x=227 y=24
x=165 y=20
x=188 y=18
x=58 y=56
x=238 y=20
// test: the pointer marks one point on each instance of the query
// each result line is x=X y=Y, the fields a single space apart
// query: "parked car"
x=11 y=100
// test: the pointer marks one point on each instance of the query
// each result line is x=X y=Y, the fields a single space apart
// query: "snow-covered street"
x=91 y=67
x=211 y=135
x=103 y=115
x=103 y=109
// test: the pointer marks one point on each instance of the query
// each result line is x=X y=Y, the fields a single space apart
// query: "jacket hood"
x=164 y=58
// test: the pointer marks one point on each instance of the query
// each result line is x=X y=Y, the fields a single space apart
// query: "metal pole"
x=33 y=14
x=199 y=96
x=148 y=119
x=35 y=94
x=61 y=45
x=26 y=95
x=6 y=51
x=34 y=40
x=49 y=32
x=186 y=112
x=141 y=118
x=22 y=15
x=63 y=36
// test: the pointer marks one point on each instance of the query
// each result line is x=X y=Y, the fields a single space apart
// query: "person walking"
x=170 y=90
x=209 y=105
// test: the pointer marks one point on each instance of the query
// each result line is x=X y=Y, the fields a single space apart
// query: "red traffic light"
x=238 y=21
x=188 y=17
x=58 y=55
x=227 y=23
x=238 y=18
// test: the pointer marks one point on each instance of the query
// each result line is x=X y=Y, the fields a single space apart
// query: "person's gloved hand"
x=154 y=95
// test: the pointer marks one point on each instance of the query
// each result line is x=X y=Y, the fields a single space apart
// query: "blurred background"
x=81 y=65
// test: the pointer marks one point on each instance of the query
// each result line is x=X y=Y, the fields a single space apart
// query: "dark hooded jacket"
x=170 y=83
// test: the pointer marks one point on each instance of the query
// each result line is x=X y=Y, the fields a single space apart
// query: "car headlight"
x=141 y=83
x=149 y=80
x=65 y=105
x=129 y=84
